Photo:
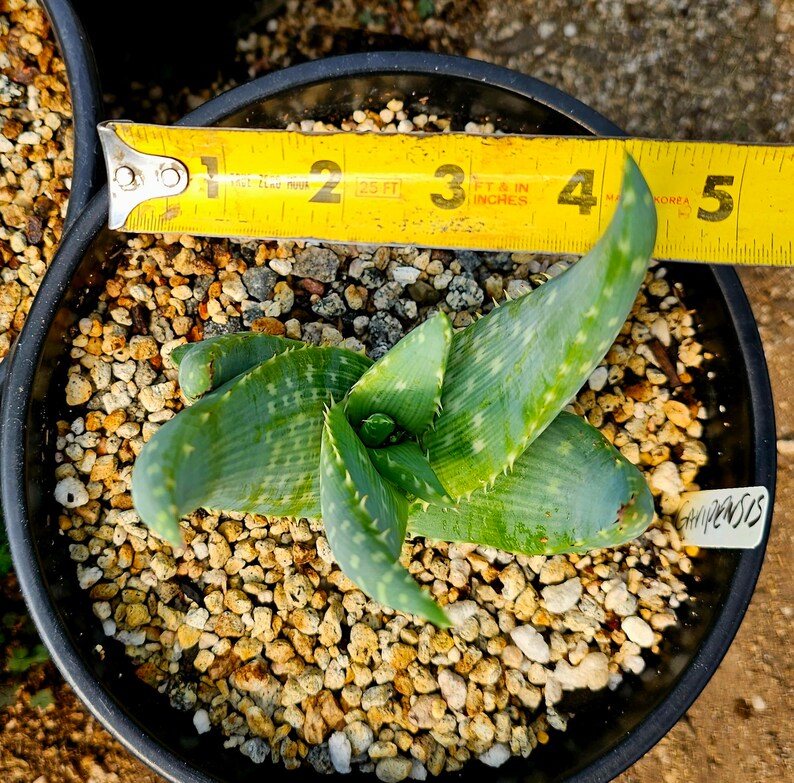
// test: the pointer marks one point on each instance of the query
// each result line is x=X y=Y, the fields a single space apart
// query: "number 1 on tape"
x=715 y=202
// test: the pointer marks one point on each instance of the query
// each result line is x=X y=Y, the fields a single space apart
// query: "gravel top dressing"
x=253 y=627
x=36 y=144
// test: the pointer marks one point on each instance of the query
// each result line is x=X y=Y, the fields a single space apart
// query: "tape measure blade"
x=717 y=203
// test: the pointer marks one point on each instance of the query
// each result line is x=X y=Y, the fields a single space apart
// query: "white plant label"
x=724 y=518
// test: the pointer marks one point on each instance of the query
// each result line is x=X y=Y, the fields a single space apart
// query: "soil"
x=672 y=69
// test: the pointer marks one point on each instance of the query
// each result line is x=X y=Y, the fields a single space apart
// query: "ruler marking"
x=739 y=195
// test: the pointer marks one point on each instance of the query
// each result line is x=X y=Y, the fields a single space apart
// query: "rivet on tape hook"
x=135 y=177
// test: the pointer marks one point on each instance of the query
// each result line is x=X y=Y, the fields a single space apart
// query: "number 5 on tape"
x=715 y=202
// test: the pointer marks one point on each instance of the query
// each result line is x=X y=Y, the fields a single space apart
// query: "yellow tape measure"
x=716 y=202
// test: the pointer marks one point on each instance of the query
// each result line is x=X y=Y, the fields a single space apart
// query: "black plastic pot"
x=609 y=733
x=86 y=97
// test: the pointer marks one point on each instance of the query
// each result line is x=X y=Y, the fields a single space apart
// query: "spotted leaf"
x=253 y=445
x=406 y=466
x=208 y=364
x=363 y=516
x=570 y=491
x=509 y=374
x=406 y=382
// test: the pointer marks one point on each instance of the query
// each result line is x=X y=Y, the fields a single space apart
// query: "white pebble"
x=201 y=720
x=598 y=378
x=405 y=275
x=496 y=755
x=453 y=689
x=29 y=137
x=661 y=331
x=71 y=492
x=561 y=598
x=620 y=601
x=134 y=638
x=638 y=631
x=339 y=750
x=281 y=266
x=531 y=643
x=665 y=479
x=759 y=705
x=592 y=672
x=460 y=611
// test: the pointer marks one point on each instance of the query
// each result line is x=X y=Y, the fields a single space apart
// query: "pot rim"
x=26 y=354
x=87 y=107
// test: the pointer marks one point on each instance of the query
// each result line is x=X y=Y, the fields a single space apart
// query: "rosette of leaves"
x=451 y=436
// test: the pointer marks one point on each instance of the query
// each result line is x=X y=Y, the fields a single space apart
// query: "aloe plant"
x=453 y=436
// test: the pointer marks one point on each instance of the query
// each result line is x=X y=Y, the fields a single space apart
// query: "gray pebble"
x=464 y=293
x=252 y=311
x=329 y=306
x=372 y=278
x=361 y=324
x=201 y=285
x=259 y=281
x=406 y=309
x=318 y=263
x=386 y=297
x=256 y=749
x=498 y=262
x=469 y=260
x=385 y=332
x=516 y=288
x=232 y=325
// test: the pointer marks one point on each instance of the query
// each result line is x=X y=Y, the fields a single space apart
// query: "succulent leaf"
x=208 y=364
x=569 y=491
x=406 y=382
x=363 y=514
x=510 y=373
x=375 y=429
x=386 y=507
x=406 y=466
x=253 y=445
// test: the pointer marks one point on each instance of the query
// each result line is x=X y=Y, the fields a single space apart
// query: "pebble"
x=360 y=737
x=453 y=689
x=531 y=643
x=71 y=493
x=464 y=293
x=259 y=281
x=598 y=378
x=392 y=770
x=496 y=755
x=340 y=750
x=405 y=275
x=560 y=598
x=316 y=263
x=638 y=631
x=620 y=601
x=256 y=749
x=201 y=720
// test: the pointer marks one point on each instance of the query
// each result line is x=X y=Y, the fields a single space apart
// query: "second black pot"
x=607 y=735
